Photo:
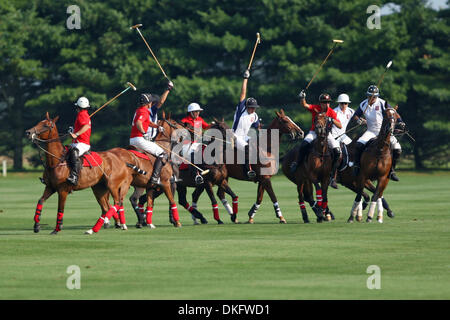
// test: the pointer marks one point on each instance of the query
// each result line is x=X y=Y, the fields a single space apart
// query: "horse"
x=376 y=162
x=111 y=176
x=144 y=164
x=184 y=178
x=280 y=125
x=314 y=170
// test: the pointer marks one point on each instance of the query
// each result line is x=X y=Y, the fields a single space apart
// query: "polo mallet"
x=130 y=85
x=389 y=64
x=202 y=172
x=137 y=28
x=335 y=42
x=258 y=41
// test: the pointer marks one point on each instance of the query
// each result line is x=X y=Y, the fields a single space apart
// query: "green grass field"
x=261 y=261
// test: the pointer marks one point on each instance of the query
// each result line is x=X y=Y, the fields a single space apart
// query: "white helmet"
x=82 y=102
x=194 y=107
x=343 y=98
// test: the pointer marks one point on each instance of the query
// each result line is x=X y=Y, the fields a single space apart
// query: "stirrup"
x=198 y=179
x=333 y=183
x=251 y=174
x=73 y=180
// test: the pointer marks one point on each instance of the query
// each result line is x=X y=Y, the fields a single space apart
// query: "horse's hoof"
x=124 y=227
x=151 y=226
x=196 y=222
x=233 y=217
x=350 y=220
x=37 y=228
x=283 y=220
x=138 y=225
x=359 y=218
x=177 y=224
x=390 y=214
x=369 y=219
x=90 y=231
x=328 y=217
x=219 y=222
x=380 y=220
x=251 y=221
x=117 y=225
x=54 y=232
x=319 y=220
x=203 y=221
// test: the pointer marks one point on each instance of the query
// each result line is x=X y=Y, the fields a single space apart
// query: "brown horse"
x=141 y=181
x=280 y=125
x=376 y=162
x=217 y=175
x=111 y=176
x=315 y=169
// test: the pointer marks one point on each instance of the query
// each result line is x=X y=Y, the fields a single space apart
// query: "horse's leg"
x=37 y=214
x=195 y=214
x=226 y=188
x=137 y=206
x=356 y=210
x=318 y=205
x=102 y=196
x=381 y=185
x=273 y=197
x=301 y=202
x=325 y=182
x=215 y=206
x=255 y=207
x=123 y=190
x=390 y=214
x=173 y=210
x=196 y=194
x=62 y=196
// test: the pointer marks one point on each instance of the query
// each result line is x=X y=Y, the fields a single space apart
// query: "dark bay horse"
x=111 y=176
x=376 y=162
x=280 y=125
x=141 y=181
x=315 y=169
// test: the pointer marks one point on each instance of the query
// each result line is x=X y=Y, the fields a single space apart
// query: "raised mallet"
x=130 y=85
x=258 y=41
x=382 y=76
x=335 y=42
x=137 y=26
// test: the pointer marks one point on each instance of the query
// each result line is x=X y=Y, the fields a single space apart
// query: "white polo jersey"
x=373 y=114
x=344 y=117
x=243 y=121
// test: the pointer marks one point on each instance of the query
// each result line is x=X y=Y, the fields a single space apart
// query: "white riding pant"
x=370 y=134
x=332 y=143
x=147 y=145
x=241 y=142
x=344 y=139
x=81 y=147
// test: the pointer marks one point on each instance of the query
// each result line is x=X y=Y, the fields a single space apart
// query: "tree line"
x=204 y=47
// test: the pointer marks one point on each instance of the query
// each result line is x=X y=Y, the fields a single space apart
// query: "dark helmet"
x=324 y=97
x=146 y=98
x=251 y=103
x=373 y=91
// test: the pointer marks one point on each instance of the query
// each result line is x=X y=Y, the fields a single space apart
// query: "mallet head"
x=389 y=64
x=258 y=37
x=131 y=86
x=136 y=26
x=338 y=41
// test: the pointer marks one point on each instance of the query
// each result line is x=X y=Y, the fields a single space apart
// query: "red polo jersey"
x=316 y=109
x=143 y=114
x=81 y=120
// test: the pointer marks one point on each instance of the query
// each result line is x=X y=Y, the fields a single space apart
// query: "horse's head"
x=43 y=129
x=321 y=125
x=390 y=117
x=169 y=125
x=286 y=126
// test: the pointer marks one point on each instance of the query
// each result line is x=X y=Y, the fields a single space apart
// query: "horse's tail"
x=137 y=169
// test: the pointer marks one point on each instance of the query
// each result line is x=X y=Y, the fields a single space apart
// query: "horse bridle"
x=36 y=140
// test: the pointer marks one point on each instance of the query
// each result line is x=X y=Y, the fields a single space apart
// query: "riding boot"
x=359 y=148
x=75 y=166
x=395 y=155
x=249 y=172
x=302 y=151
x=159 y=163
x=336 y=157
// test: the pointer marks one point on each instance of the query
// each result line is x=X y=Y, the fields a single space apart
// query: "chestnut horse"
x=141 y=181
x=280 y=125
x=111 y=176
x=376 y=162
x=315 y=169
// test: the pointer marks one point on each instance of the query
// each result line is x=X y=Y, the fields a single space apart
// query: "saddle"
x=139 y=152
x=90 y=159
